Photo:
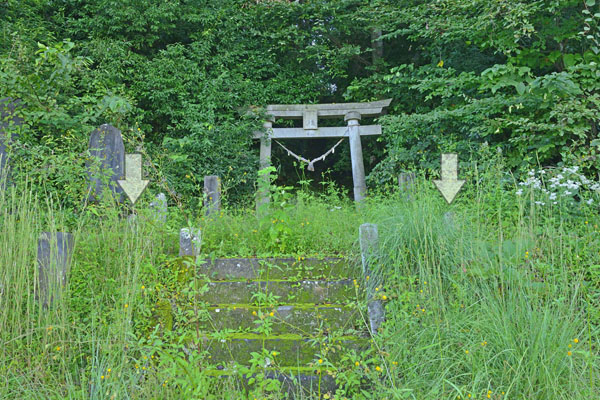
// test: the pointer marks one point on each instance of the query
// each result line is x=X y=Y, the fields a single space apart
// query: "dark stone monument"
x=212 y=190
x=9 y=123
x=107 y=162
x=54 y=259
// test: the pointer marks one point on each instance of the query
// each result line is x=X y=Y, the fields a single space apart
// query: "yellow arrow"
x=133 y=185
x=450 y=184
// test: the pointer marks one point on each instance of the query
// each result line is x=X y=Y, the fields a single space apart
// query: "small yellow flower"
x=143 y=287
x=377 y=289
x=274 y=353
x=466 y=351
x=320 y=361
x=570 y=345
x=272 y=314
x=357 y=363
x=368 y=277
x=569 y=353
x=108 y=370
x=378 y=368
x=57 y=348
x=576 y=340
x=469 y=395
x=253 y=312
x=126 y=305
x=384 y=297
x=395 y=362
x=102 y=377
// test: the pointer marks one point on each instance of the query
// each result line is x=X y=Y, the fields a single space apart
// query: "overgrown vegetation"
x=176 y=78
x=498 y=299
x=476 y=302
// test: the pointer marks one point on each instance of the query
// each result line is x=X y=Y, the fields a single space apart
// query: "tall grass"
x=494 y=300
x=497 y=298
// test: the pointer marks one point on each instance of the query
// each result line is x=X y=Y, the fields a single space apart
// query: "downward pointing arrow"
x=450 y=184
x=133 y=185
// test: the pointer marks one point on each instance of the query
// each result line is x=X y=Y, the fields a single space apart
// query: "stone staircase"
x=301 y=315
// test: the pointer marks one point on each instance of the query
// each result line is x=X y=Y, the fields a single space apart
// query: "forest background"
x=176 y=76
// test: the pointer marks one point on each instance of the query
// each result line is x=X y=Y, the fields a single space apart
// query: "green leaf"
x=590 y=3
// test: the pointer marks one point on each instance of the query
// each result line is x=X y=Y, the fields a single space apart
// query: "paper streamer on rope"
x=310 y=163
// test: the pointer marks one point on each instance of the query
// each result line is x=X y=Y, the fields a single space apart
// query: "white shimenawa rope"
x=311 y=166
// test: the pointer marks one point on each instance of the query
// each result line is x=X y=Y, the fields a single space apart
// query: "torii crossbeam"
x=310 y=114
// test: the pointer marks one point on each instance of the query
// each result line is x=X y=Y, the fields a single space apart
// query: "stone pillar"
x=369 y=242
x=54 y=259
x=160 y=208
x=190 y=241
x=358 y=168
x=212 y=191
x=265 y=161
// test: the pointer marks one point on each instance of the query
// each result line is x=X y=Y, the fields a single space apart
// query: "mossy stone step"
x=287 y=268
x=293 y=319
x=296 y=382
x=291 y=350
x=305 y=291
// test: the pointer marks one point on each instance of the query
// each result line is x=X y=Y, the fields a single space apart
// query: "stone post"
x=265 y=161
x=406 y=183
x=54 y=258
x=358 y=168
x=160 y=208
x=369 y=241
x=190 y=241
x=212 y=191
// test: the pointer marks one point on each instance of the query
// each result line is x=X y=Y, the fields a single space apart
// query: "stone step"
x=304 y=319
x=289 y=268
x=296 y=382
x=305 y=291
x=292 y=350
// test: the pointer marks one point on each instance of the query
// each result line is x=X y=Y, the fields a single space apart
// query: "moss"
x=164 y=315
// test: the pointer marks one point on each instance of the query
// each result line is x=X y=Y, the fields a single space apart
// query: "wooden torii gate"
x=310 y=114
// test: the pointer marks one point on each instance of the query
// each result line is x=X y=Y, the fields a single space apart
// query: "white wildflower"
x=590 y=201
x=519 y=192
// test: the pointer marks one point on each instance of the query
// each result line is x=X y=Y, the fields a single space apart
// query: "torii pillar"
x=310 y=113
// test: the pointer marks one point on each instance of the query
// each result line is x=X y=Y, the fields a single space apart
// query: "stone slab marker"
x=160 y=207
x=369 y=242
x=212 y=190
x=108 y=153
x=190 y=241
x=8 y=121
x=406 y=183
x=54 y=258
